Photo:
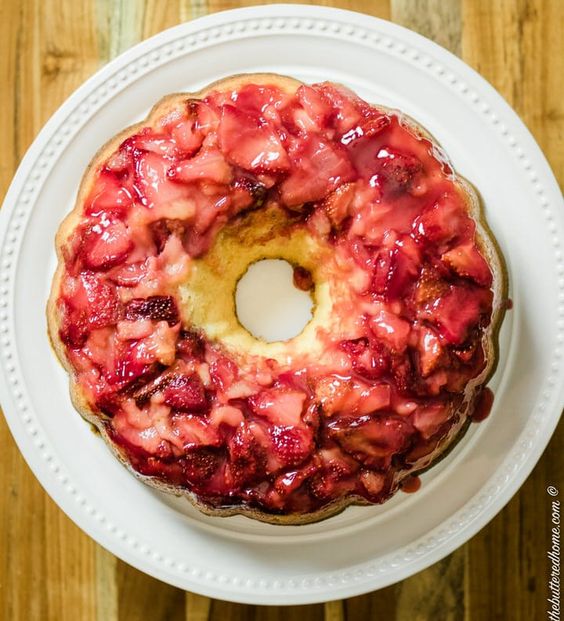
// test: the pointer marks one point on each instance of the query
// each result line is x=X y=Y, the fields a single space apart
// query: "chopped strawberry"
x=129 y=274
x=371 y=360
x=338 y=203
x=155 y=307
x=376 y=218
x=457 y=312
x=109 y=195
x=328 y=485
x=317 y=222
x=428 y=419
x=194 y=431
x=315 y=105
x=430 y=285
x=364 y=255
x=363 y=151
x=99 y=298
x=245 y=192
x=405 y=268
x=382 y=269
x=372 y=398
x=391 y=329
x=333 y=393
x=142 y=394
x=208 y=165
x=444 y=221
x=150 y=141
x=129 y=369
x=185 y=393
x=144 y=439
x=336 y=461
x=397 y=269
x=160 y=345
x=254 y=99
x=430 y=350
x=152 y=182
x=403 y=374
x=210 y=208
x=372 y=440
x=119 y=163
x=200 y=465
x=105 y=245
x=318 y=168
x=207 y=116
x=134 y=330
x=187 y=136
x=74 y=329
x=297 y=121
x=226 y=415
x=250 y=143
x=435 y=383
x=109 y=403
x=346 y=396
x=345 y=111
x=467 y=262
x=223 y=371
x=394 y=170
x=136 y=417
x=288 y=482
x=291 y=445
x=190 y=345
x=279 y=406
x=376 y=124
x=246 y=455
x=241 y=389
x=373 y=482
x=398 y=169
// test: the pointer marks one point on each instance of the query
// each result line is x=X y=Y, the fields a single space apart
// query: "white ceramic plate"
x=363 y=548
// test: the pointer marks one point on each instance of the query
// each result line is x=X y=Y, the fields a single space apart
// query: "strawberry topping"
x=106 y=247
x=185 y=393
x=156 y=307
x=412 y=285
x=250 y=142
x=318 y=167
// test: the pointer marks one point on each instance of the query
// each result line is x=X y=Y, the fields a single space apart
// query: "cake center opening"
x=269 y=305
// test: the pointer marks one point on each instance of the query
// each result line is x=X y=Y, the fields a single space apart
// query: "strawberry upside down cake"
x=408 y=289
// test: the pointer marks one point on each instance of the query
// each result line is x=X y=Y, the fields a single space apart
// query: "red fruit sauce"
x=411 y=484
x=483 y=405
x=283 y=440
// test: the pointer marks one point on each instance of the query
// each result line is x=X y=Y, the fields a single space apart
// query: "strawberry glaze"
x=283 y=441
x=410 y=485
x=483 y=405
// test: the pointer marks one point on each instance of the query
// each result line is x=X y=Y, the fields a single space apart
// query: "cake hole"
x=268 y=303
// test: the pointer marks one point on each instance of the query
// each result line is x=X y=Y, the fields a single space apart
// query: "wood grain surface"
x=50 y=570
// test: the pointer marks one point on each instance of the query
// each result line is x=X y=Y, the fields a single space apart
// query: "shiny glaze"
x=483 y=405
x=283 y=441
x=410 y=485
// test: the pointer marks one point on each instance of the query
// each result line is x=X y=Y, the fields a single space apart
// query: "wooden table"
x=50 y=570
